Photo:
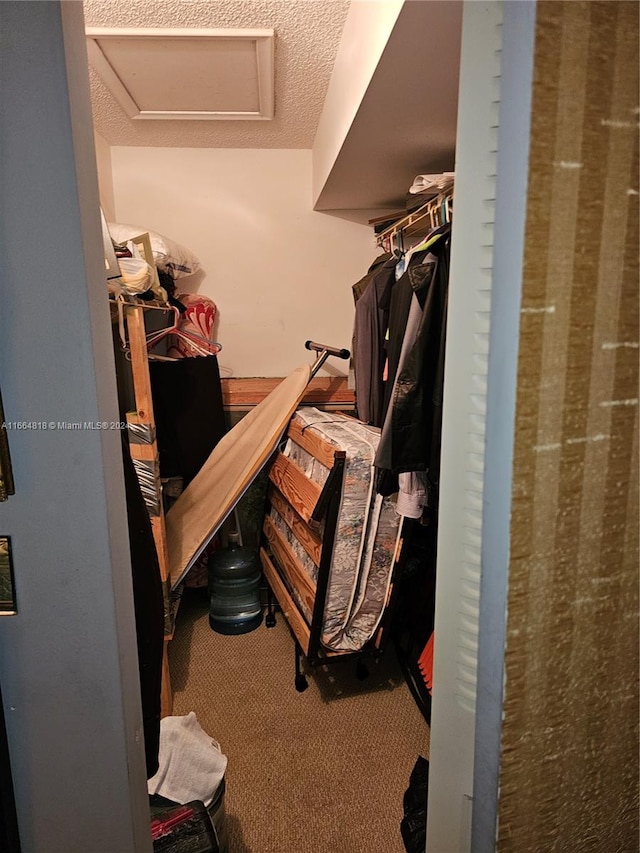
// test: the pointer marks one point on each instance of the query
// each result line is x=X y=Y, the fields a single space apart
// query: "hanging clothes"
x=411 y=286
x=411 y=305
x=189 y=415
x=417 y=405
x=361 y=285
x=371 y=322
x=410 y=438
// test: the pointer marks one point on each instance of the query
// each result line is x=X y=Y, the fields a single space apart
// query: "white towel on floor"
x=191 y=763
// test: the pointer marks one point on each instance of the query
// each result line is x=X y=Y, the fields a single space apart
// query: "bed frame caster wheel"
x=270 y=618
x=300 y=679
x=362 y=671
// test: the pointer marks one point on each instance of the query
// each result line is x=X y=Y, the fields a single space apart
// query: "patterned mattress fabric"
x=367 y=532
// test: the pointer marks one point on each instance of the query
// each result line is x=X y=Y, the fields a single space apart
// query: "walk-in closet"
x=315 y=678
x=312 y=362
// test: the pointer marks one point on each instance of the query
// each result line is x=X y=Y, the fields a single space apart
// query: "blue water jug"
x=234 y=589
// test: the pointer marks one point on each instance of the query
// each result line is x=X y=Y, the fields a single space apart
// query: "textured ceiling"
x=307 y=37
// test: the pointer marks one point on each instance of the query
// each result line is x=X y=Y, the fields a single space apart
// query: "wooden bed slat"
x=318 y=447
x=301 y=492
x=289 y=608
x=293 y=573
x=308 y=538
x=287 y=604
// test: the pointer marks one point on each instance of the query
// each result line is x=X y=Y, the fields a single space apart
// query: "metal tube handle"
x=320 y=348
x=323 y=351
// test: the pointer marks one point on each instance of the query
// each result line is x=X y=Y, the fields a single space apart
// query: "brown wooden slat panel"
x=289 y=609
x=140 y=365
x=301 y=492
x=320 y=391
x=314 y=444
x=144 y=452
x=290 y=568
x=160 y=537
x=308 y=538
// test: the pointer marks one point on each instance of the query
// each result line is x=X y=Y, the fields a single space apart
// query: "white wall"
x=279 y=273
x=105 y=175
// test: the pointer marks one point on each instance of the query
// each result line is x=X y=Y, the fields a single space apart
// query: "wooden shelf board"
x=321 y=390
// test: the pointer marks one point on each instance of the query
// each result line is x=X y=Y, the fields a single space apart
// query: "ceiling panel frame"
x=264 y=42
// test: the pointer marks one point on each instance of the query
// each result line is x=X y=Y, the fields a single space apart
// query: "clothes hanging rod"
x=145 y=305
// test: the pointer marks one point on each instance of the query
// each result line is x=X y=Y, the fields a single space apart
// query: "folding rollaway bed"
x=331 y=546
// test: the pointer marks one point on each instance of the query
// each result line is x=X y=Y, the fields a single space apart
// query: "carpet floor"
x=322 y=771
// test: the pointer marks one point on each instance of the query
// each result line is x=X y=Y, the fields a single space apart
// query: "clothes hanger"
x=444 y=212
x=397 y=243
x=430 y=240
x=202 y=345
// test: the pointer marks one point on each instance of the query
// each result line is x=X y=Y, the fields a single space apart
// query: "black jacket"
x=416 y=418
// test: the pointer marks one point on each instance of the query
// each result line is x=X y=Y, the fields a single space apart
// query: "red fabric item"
x=425 y=664
x=198 y=318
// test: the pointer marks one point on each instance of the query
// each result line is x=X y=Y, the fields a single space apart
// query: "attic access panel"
x=183 y=74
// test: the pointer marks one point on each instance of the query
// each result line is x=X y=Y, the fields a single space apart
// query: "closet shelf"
x=244 y=393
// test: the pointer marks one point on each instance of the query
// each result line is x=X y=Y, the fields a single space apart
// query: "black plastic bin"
x=159 y=805
x=184 y=829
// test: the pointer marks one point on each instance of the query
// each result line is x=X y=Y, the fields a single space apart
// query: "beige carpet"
x=322 y=771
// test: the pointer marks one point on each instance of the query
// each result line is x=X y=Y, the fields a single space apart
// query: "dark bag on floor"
x=413 y=825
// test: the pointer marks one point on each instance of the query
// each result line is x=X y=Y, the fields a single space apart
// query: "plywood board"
x=228 y=472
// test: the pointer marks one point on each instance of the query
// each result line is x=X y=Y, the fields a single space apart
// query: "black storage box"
x=159 y=804
x=184 y=829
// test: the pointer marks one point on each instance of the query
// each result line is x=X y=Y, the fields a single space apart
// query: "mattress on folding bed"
x=366 y=536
